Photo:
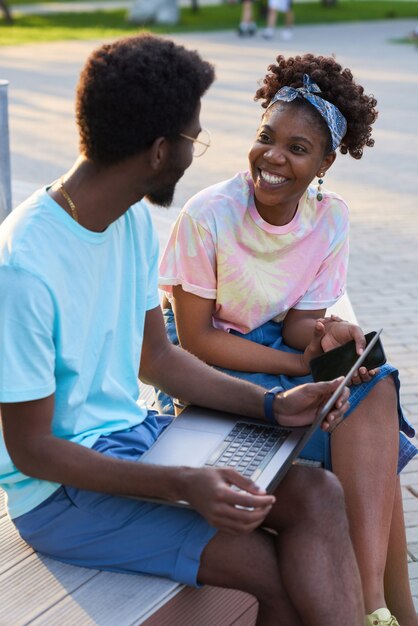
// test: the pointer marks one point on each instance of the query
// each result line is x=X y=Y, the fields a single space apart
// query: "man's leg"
x=309 y=566
x=249 y=562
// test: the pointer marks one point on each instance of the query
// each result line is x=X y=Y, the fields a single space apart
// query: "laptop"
x=264 y=453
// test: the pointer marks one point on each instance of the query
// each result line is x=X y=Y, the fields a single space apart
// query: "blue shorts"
x=119 y=534
x=319 y=447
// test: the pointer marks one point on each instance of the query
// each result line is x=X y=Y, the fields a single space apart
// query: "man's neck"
x=97 y=196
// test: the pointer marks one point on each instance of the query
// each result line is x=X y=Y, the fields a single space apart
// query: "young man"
x=80 y=318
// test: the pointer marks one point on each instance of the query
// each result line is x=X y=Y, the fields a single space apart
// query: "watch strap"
x=268 y=404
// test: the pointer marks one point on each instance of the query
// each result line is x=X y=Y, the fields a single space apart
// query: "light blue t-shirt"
x=72 y=311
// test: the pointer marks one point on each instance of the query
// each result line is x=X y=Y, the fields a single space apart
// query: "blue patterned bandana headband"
x=333 y=117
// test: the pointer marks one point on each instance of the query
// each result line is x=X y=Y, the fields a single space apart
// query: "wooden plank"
x=96 y=598
x=35 y=584
x=35 y=589
x=146 y=394
x=108 y=599
x=12 y=548
x=2 y=503
x=206 y=607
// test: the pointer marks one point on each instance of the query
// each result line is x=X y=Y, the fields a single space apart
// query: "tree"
x=329 y=3
x=6 y=11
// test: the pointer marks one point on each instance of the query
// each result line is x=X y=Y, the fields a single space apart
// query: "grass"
x=406 y=40
x=65 y=26
x=104 y=24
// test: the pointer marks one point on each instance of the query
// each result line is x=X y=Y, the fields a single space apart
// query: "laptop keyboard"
x=248 y=448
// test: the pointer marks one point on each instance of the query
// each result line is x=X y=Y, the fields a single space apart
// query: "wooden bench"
x=39 y=591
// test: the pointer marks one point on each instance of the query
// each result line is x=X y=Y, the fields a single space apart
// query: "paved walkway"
x=380 y=189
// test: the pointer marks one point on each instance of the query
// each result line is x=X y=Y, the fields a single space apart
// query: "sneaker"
x=381 y=617
x=268 y=33
x=247 y=29
x=287 y=34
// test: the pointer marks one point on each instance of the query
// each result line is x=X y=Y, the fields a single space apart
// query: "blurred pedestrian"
x=247 y=26
x=275 y=7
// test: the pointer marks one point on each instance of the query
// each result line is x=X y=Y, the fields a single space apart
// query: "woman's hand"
x=314 y=347
x=338 y=332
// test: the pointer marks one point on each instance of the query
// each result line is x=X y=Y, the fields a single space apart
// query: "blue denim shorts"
x=318 y=448
x=119 y=534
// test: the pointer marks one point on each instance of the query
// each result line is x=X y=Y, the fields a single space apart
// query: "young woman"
x=251 y=265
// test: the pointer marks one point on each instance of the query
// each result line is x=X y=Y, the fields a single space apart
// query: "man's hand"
x=299 y=406
x=227 y=500
x=338 y=332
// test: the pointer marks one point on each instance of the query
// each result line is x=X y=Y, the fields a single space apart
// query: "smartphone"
x=337 y=362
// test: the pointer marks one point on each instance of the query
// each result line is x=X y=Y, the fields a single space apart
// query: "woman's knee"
x=379 y=406
x=384 y=392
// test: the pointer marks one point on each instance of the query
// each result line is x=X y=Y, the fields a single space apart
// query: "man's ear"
x=158 y=153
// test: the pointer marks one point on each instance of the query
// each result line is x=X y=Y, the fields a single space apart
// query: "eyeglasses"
x=200 y=143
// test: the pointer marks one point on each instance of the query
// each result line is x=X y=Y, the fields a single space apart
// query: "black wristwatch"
x=268 y=404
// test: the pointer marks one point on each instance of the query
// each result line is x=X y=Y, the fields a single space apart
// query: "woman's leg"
x=397 y=588
x=364 y=451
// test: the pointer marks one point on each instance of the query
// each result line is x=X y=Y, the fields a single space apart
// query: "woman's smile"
x=272 y=179
x=287 y=154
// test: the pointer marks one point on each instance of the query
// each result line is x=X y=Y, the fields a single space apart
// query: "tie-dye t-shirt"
x=220 y=248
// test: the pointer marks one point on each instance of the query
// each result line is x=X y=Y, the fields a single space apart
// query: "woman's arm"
x=298 y=327
x=197 y=335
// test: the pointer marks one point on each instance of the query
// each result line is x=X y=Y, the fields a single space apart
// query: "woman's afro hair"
x=337 y=86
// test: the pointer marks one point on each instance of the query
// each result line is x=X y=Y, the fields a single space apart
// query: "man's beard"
x=163 y=193
x=162 y=197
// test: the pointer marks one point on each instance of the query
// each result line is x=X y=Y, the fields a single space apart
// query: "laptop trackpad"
x=183 y=447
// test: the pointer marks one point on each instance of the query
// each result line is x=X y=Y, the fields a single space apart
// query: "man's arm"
x=184 y=376
x=298 y=327
x=37 y=452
